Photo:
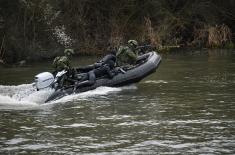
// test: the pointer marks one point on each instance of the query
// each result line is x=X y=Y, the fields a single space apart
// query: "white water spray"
x=21 y=96
x=25 y=96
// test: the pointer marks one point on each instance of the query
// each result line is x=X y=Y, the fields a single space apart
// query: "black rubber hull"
x=121 y=79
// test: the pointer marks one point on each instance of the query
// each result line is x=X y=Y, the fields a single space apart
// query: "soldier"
x=63 y=62
x=127 y=55
x=104 y=69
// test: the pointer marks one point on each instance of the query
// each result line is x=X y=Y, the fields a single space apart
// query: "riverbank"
x=83 y=58
x=38 y=30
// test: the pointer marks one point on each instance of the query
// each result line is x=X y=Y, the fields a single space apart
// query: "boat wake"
x=21 y=97
x=92 y=93
x=25 y=96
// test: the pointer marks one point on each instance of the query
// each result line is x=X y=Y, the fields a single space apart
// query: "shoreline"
x=184 y=50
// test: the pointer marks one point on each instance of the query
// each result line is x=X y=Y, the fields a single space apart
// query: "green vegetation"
x=37 y=29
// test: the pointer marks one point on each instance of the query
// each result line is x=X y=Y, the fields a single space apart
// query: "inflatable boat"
x=146 y=65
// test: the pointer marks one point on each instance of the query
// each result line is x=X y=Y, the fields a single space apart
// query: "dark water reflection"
x=186 y=107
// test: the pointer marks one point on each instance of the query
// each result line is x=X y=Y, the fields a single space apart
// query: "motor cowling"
x=43 y=80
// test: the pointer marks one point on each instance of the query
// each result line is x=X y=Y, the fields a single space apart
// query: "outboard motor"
x=43 y=80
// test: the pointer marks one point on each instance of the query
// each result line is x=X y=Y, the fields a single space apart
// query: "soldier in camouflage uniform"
x=63 y=62
x=127 y=55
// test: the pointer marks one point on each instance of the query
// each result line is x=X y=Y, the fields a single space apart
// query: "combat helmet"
x=132 y=43
x=68 y=52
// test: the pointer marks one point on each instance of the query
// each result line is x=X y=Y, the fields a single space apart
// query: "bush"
x=41 y=29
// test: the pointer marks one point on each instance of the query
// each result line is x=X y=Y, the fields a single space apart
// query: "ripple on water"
x=78 y=125
x=16 y=141
x=114 y=117
x=39 y=146
x=155 y=81
x=138 y=123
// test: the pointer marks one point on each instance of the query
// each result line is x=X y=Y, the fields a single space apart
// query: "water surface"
x=186 y=107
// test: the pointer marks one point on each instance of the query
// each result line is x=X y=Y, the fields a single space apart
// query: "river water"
x=186 y=107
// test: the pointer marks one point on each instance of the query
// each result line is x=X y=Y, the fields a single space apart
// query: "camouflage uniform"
x=63 y=62
x=127 y=55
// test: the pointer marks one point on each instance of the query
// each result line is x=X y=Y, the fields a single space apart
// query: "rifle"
x=143 y=49
x=167 y=48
